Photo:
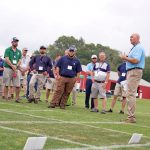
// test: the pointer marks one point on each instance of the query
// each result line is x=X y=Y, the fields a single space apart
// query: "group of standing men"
x=19 y=69
x=130 y=72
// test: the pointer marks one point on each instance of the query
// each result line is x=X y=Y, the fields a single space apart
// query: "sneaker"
x=110 y=110
x=30 y=100
x=132 y=120
x=94 y=110
x=17 y=101
x=103 y=112
x=121 y=112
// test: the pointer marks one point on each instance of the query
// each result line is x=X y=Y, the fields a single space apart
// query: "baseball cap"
x=72 y=48
x=93 y=56
x=25 y=49
x=14 y=39
x=42 y=47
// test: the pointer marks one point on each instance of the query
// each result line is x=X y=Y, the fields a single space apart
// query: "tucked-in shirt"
x=1 y=65
x=100 y=71
x=14 y=57
x=40 y=63
x=122 y=71
x=68 y=66
x=138 y=53
x=89 y=67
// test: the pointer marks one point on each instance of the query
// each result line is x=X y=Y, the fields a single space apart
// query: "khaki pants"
x=63 y=90
x=40 y=78
x=133 y=80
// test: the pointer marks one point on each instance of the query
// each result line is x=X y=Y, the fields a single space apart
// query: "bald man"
x=135 y=63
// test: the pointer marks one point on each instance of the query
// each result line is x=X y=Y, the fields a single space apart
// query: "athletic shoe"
x=94 y=110
x=110 y=110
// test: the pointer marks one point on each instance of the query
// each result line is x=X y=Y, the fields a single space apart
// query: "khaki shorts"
x=98 y=89
x=51 y=84
x=120 y=90
x=8 y=78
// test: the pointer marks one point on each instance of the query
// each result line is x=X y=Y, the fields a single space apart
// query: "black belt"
x=67 y=76
x=135 y=68
x=99 y=81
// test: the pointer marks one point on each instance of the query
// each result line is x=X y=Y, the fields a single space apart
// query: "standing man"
x=24 y=68
x=101 y=76
x=89 y=82
x=39 y=64
x=135 y=63
x=11 y=73
x=67 y=69
x=120 y=88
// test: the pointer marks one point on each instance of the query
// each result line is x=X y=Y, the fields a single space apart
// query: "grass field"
x=73 y=128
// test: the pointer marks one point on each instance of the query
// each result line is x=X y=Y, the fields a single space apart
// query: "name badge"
x=69 y=68
x=40 y=67
x=123 y=74
x=14 y=62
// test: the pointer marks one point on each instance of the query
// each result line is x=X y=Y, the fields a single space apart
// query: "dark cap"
x=72 y=48
x=14 y=39
x=42 y=47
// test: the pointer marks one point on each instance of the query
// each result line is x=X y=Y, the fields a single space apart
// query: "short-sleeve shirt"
x=40 y=63
x=14 y=57
x=25 y=61
x=69 y=67
x=138 y=53
x=122 y=71
x=89 y=67
x=100 y=71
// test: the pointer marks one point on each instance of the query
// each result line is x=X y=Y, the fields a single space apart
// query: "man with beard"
x=11 y=73
x=39 y=65
x=67 y=70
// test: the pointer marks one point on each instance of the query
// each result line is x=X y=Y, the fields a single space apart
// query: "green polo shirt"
x=14 y=57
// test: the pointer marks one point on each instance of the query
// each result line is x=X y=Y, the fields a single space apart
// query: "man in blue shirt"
x=120 y=88
x=39 y=64
x=67 y=69
x=135 y=63
x=89 y=82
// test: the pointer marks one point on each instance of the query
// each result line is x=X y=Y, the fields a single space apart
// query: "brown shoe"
x=132 y=120
x=51 y=106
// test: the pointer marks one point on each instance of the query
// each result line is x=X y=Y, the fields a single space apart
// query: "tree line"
x=85 y=50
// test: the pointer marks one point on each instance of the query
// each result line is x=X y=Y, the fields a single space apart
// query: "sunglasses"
x=94 y=58
x=71 y=50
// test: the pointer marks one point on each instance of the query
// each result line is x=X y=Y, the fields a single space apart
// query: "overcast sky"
x=41 y=22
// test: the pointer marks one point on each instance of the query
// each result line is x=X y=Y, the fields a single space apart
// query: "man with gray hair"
x=135 y=63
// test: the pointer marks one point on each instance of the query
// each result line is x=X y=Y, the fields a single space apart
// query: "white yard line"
x=108 y=147
x=26 y=114
x=56 y=122
x=50 y=137
x=78 y=123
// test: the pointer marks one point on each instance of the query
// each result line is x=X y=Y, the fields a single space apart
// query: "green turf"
x=75 y=127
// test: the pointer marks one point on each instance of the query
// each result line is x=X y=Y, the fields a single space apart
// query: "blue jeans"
x=88 y=93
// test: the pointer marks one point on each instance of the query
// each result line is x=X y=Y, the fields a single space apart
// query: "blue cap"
x=72 y=47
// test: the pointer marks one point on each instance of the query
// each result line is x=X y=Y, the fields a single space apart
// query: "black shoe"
x=30 y=100
x=51 y=106
x=110 y=110
x=121 y=112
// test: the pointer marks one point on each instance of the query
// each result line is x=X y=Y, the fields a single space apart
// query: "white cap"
x=93 y=56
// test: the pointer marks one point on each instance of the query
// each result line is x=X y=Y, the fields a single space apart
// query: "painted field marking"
x=72 y=123
x=50 y=137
